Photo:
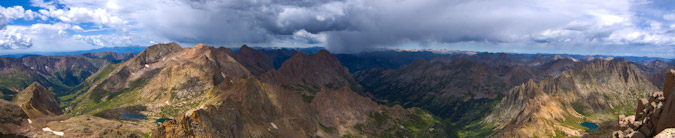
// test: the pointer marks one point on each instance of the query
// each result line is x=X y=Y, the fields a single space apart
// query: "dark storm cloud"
x=355 y=25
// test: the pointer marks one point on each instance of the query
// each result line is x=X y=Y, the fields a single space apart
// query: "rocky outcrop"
x=653 y=115
x=11 y=118
x=38 y=102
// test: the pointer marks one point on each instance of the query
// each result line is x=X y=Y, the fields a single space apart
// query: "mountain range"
x=166 y=90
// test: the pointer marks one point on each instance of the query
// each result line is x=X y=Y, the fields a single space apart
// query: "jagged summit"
x=200 y=45
x=318 y=70
x=155 y=53
x=38 y=102
x=255 y=61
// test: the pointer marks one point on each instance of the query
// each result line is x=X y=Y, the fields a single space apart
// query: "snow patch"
x=164 y=58
x=274 y=125
x=58 y=133
x=47 y=129
x=30 y=122
x=222 y=74
x=167 y=102
x=147 y=66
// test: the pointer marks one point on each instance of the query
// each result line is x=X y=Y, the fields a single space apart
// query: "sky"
x=589 y=27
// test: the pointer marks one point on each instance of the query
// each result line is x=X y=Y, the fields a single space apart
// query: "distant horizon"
x=435 y=51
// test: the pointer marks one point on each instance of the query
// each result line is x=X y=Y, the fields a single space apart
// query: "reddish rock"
x=321 y=69
x=667 y=115
x=255 y=61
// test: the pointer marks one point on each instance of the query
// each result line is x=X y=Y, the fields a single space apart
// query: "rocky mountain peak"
x=245 y=47
x=324 y=53
x=155 y=52
x=226 y=51
x=319 y=69
x=200 y=45
x=38 y=102
x=255 y=61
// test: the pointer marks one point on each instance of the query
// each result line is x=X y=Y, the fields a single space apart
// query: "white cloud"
x=17 y=12
x=11 y=39
x=308 y=37
x=43 y=4
x=85 y=15
x=77 y=28
x=105 y=40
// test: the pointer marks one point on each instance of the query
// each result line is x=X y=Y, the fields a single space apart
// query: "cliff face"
x=592 y=92
x=653 y=115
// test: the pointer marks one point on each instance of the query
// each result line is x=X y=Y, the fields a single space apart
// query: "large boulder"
x=668 y=112
x=653 y=116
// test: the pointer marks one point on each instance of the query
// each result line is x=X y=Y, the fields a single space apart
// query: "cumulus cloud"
x=84 y=15
x=11 y=39
x=40 y=37
x=17 y=12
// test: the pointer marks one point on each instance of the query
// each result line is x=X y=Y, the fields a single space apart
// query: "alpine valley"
x=168 y=90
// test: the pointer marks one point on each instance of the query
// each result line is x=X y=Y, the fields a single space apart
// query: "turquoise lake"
x=590 y=126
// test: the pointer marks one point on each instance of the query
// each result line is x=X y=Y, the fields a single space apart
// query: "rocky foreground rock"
x=653 y=116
